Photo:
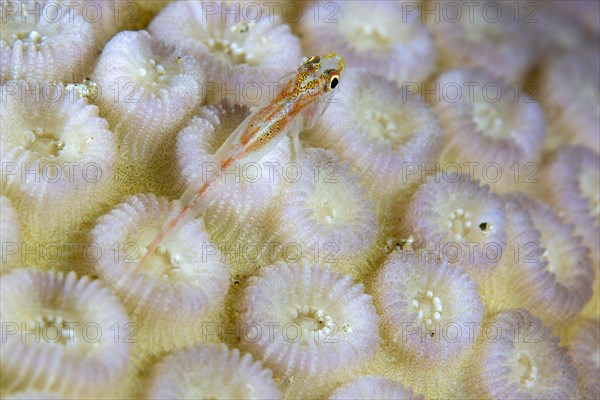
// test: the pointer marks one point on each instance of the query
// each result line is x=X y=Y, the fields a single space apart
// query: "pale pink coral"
x=71 y=324
x=241 y=58
x=487 y=37
x=147 y=91
x=389 y=146
x=375 y=388
x=324 y=214
x=518 y=358
x=44 y=42
x=56 y=142
x=560 y=279
x=497 y=129
x=184 y=280
x=381 y=37
x=427 y=306
x=315 y=324
x=459 y=220
x=208 y=372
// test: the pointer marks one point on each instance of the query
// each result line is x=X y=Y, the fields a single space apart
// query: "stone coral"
x=519 y=358
x=241 y=57
x=183 y=282
x=312 y=318
x=379 y=36
x=425 y=307
x=44 y=41
x=197 y=69
x=71 y=322
x=206 y=372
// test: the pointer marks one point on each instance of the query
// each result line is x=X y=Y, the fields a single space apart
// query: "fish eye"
x=333 y=80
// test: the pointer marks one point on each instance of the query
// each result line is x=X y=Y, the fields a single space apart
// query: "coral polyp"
x=148 y=91
x=188 y=270
x=459 y=220
x=517 y=357
x=325 y=215
x=242 y=57
x=373 y=387
x=210 y=372
x=57 y=135
x=320 y=324
x=56 y=47
x=68 y=320
x=422 y=302
x=370 y=37
x=388 y=146
x=467 y=38
x=489 y=126
x=562 y=272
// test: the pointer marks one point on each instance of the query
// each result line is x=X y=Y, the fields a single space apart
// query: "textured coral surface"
x=432 y=233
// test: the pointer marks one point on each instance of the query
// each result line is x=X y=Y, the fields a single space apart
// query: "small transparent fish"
x=302 y=98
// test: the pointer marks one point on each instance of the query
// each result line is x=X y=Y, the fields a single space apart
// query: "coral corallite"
x=57 y=47
x=373 y=388
x=325 y=215
x=54 y=131
x=489 y=126
x=562 y=273
x=210 y=372
x=459 y=220
x=386 y=145
x=61 y=337
x=518 y=358
x=320 y=324
x=463 y=38
x=241 y=57
x=425 y=307
x=148 y=91
x=371 y=37
x=184 y=280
